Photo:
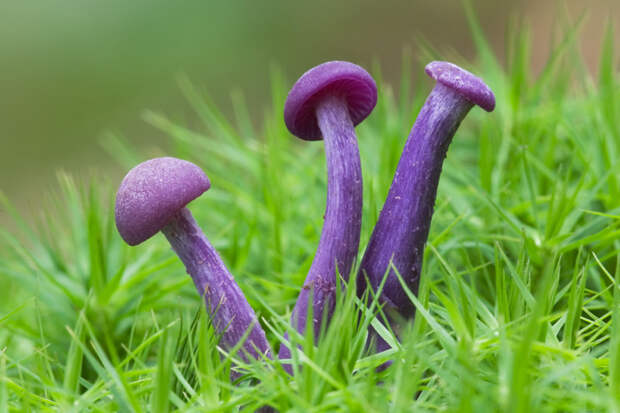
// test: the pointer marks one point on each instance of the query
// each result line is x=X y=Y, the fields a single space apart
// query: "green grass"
x=519 y=306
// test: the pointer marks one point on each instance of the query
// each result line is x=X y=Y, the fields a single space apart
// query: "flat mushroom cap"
x=470 y=86
x=152 y=193
x=345 y=79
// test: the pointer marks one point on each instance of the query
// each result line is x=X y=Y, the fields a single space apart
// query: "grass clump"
x=519 y=306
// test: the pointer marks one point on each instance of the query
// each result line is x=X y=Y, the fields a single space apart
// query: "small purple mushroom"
x=327 y=102
x=152 y=198
x=402 y=228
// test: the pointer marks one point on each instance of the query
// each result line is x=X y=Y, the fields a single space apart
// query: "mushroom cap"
x=345 y=79
x=465 y=83
x=152 y=193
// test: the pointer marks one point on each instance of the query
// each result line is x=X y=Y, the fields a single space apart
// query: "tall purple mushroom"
x=327 y=102
x=152 y=198
x=402 y=228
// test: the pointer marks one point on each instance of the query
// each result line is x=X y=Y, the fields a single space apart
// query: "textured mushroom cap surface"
x=339 y=78
x=470 y=86
x=152 y=193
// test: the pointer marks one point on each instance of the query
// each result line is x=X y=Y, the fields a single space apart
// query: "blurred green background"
x=71 y=71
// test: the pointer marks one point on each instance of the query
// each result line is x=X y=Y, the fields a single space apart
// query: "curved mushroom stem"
x=231 y=314
x=340 y=236
x=402 y=228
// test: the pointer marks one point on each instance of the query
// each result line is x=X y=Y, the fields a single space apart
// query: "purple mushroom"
x=152 y=198
x=327 y=102
x=402 y=228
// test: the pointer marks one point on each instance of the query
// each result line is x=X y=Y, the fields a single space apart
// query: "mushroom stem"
x=340 y=236
x=402 y=228
x=403 y=225
x=231 y=314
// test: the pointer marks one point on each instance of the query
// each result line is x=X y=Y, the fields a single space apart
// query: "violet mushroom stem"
x=152 y=198
x=327 y=102
x=402 y=229
x=231 y=313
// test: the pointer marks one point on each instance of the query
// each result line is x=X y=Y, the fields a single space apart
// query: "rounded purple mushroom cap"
x=152 y=193
x=470 y=86
x=345 y=79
